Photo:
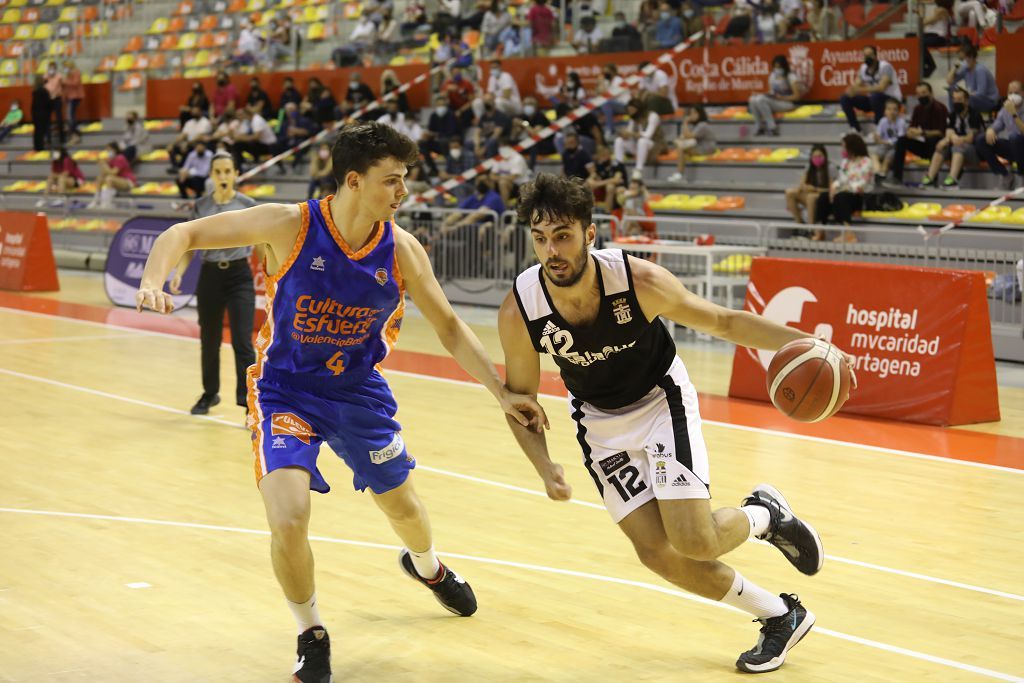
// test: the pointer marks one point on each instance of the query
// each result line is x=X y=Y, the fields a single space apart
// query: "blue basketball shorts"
x=289 y=425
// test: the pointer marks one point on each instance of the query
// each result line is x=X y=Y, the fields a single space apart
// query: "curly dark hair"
x=360 y=146
x=555 y=197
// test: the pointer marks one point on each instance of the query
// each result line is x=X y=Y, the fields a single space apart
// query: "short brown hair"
x=555 y=197
x=359 y=146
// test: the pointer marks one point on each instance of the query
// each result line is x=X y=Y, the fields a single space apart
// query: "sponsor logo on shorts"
x=660 y=452
x=680 y=481
x=381 y=276
x=290 y=424
x=389 y=452
x=614 y=462
x=623 y=314
x=279 y=442
x=660 y=474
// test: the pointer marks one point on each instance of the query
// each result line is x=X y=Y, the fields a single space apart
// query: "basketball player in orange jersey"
x=337 y=273
x=636 y=413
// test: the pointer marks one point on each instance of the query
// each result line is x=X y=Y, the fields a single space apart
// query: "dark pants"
x=57 y=107
x=1012 y=149
x=903 y=145
x=5 y=131
x=229 y=288
x=73 y=115
x=195 y=183
x=40 y=130
x=930 y=40
x=841 y=208
x=875 y=102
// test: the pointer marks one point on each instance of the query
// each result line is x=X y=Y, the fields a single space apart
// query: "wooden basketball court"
x=135 y=547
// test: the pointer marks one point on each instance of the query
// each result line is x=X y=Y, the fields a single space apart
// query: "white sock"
x=752 y=598
x=426 y=563
x=760 y=519
x=306 y=614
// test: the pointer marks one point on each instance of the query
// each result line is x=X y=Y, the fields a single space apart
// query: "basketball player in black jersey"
x=636 y=412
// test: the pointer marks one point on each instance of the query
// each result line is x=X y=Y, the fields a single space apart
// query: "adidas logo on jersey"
x=680 y=481
x=550 y=328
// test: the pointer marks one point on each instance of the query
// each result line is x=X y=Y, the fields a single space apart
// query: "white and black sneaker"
x=313 y=657
x=450 y=589
x=778 y=636
x=797 y=539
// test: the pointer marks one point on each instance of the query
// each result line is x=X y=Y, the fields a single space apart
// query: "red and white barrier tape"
x=308 y=142
x=556 y=125
x=927 y=234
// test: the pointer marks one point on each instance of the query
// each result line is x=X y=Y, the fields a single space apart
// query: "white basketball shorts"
x=652 y=448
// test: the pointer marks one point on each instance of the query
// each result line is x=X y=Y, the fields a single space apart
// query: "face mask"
x=496 y=71
x=1015 y=98
x=489 y=107
x=870 y=61
x=924 y=101
x=665 y=15
x=458 y=78
x=325 y=153
x=620 y=24
x=353 y=85
x=817 y=162
x=14 y=107
x=441 y=111
x=779 y=72
x=482 y=188
x=529 y=110
x=222 y=81
x=455 y=152
x=958 y=107
x=844 y=154
x=688 y=13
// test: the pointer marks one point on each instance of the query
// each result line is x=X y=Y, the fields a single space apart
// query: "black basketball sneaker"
x=314 y=657
x=450 y=589
x=778 y=636
x=797 y=539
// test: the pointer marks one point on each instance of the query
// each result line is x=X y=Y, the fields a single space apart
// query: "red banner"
x=1009 y=50
x=921 y=336
x=26 y=256
x=729 y=74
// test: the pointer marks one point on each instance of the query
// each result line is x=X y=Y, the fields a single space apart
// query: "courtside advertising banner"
x=921 y=336
x=127 y=259
x=26 y=253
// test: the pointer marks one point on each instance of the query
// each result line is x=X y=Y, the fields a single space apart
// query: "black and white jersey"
x=613 y=361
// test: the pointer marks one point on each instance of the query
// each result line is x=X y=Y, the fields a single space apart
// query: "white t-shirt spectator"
x=196 y=128
x=365 y=31
x=502 y=84
x=657 y=82
x=512 y=164
x=248 y=41
x=586 y=42
x=405 y=125
x=884 y=69
x=262 y=130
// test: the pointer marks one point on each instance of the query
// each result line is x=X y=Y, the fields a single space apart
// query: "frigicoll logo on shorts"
x=290 y=424
x=389 y=452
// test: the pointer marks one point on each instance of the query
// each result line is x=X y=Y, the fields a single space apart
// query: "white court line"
x=511 y=487
x=537 y=568
x=39 y=340
x=727 y=425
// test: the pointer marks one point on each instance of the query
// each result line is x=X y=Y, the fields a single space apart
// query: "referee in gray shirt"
x=225 y=281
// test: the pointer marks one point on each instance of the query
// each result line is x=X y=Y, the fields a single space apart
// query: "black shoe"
x=313 y=657
x=203 y=405
x=797 y=539
x=450 y=589
x=778 y=636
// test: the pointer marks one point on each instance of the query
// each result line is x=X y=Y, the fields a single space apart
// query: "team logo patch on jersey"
x=382 y=276
x=614 y=462
x=623 y=314
x=389 y=452
x=317 y=264
x=660 y=474
x=660 y=452
x=279 y=442
x=290 y=424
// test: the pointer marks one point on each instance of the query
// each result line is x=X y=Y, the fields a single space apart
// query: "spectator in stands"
x=631 y=201
x=193 y=173
x=697 y=138
x=972 y=13
x=41 y=115
x=814 y=182
x=197 y=98
x=657 y=92
x=957 y=144
x=364 y=36
x=1005 y=137
x=976 y=78
x=457 y=161
x=642 y=136
x=741 y=20
x=823 y=18
x=255 y=135
x=414 y=19
x=532 y=122
x=55 y=88
x=647 y=16
x=225 y=97
x=610 y=81
x=389 y=83
x=542 y=23
x=447 y=21
x=12 y=119
x=321 y=176
x=453 y=47
x=876 y=82
x=295 y=128
x=496 y=19
x=669 y=29
x=65 y=175
x=891 y=128
x=791 y=14
x=476 y=209
x=195 y=129
x=406 y=125
x=376 y=9
x=491 y=127
x=289 y=93
x=846 y=193
x=927 y=127
x=587 y=126
x=784 y=91
x=511 y=172
x=767 y=19
x=357 y=95
x=258 y=100
x=387 y=36
x=134 y=137
x=442 y=127
x=461 y=93
x=249 y=46
x=604 y=177
x=115 y=176
x=575 y=159
x=588 y=38
x=74 y=93
x=625 y=37
x=503 y=89
x=278 y=42
x=934 y=29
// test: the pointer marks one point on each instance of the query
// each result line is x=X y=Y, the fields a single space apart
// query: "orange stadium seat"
x=184 y=8
x=208 y=23
x=158 y=60
x=134 y=44
x=205 y=41
x=91 y=13
x=169 y=42
x=176 y=25
x=30 y=15
x=107 y=63
x=221 y=39
x=6 y=32
x=134 y=81
x=237 y=6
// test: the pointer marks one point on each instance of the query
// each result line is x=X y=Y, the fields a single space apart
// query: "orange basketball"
x=808 y=380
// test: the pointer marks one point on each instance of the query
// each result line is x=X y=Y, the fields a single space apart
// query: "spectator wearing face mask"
x=503 y=90
x=784 y=91
x=74 y=93
x=958 y=143
x=196 y=129
x=115 y=176
x=193 y=173
x=294 y=129
x=457 y=161
x=668 y=32
x=532 y=122
x=625 y=36
x=134 y=137
x=54 y=84
x=461 y=92
x=65 y=175
x=442 y=128
x=588 y=38
x=927 y=127
x=357 y=95
x=876 y=83
x=642 y=137
x=976 y=79
x=197 y=98
x=321 y=177
x=225 y=97
x=1005 y=138
x=542 y=23
x=12 y=119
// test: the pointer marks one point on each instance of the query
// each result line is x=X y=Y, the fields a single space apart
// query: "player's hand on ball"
x=153 y=299
x=851 y=362
x=524 y=409
x=554 y=482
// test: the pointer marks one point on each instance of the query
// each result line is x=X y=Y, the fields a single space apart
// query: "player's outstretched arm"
x=522 y=375
x=273 y=224
x=456 y=336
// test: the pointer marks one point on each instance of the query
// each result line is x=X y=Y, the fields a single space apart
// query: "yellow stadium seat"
x=188 y=41
x=316 y=31
x=68 y=14
x=158 y=26
x=9 y=67
x=125 y=63
x=24 y=32
x=94 y=127
x=202 y=58
x=57 y=48
x=11 y=16
x=18 y=3
x=993 y=214
x=42 y=32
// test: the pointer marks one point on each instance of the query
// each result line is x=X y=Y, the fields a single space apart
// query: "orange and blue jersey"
x=333 y=314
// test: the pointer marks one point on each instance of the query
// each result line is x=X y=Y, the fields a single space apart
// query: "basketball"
x=808 y=380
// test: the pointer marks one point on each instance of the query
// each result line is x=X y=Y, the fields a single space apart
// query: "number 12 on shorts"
x=627 y=482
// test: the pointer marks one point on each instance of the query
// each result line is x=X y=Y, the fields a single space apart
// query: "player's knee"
x=653 y=557
x=695 y=545
x=289 y=529
x=402 y=510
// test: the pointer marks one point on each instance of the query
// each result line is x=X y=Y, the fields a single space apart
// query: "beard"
x=577 y=267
